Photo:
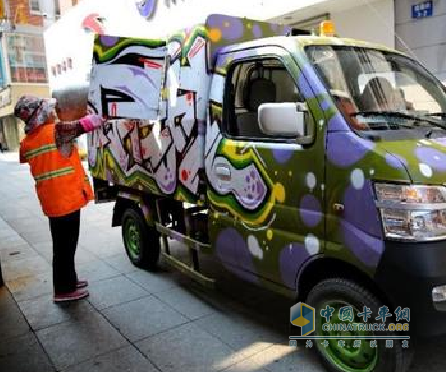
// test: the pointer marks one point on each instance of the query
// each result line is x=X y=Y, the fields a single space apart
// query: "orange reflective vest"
x=61 y=183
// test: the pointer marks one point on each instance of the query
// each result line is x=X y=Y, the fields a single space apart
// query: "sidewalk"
x=133 y=320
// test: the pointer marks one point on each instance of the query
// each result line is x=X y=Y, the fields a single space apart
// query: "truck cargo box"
x=157 y=96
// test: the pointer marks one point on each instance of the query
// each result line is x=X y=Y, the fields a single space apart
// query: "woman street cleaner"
x=62 y=186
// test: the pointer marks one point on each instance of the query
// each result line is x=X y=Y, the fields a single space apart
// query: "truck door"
x=265 y=191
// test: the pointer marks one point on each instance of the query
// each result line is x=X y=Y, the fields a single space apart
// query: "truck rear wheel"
x=338 y=293
x=141 y=242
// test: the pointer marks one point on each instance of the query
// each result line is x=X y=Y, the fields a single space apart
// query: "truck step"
x=175 y=235
x=189 y=271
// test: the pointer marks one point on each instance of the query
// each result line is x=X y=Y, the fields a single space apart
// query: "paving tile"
x=100 y=222
x=95 y=270
x=113 y=233
x=283 y=358
x=114 y=291
x=14 y=213
x=6 y=232
x=121 y=263
x=106 y=248
x=22 y=225
x=188 y=349
x=41 y=312
x=23 y=354
x=31 y=286
x=27 y=265
x=143 y=318
x=12 y=241
x=43 y=247
x=185 y=302
x=76 y=341
x=152 y=282
x=84 y=256
x=247 y=365
x=127 y=359
x=12 y=322
x=240 y=332
x=96 y=238
x=16 y=252
x=36 y=236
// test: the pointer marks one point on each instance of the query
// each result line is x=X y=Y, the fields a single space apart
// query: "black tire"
x=396 y=359
x=145 y=238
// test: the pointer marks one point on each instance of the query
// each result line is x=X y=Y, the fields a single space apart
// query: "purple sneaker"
x=76 y=295
x=81 y=284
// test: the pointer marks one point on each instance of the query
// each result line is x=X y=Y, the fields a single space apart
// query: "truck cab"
x=311 y=165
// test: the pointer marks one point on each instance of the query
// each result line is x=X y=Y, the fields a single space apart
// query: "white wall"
x=65 y=5
x=424 y=37
x=188 y=12
x=374 y=22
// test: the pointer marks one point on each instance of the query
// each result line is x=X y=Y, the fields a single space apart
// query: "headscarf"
x=34 y=111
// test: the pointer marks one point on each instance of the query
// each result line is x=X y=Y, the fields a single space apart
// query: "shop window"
x=26 y=54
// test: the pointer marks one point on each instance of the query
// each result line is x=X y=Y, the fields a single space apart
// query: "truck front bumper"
x=407 y=273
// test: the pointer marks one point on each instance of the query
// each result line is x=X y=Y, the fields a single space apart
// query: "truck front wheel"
x=348 y=356
x=141 y=242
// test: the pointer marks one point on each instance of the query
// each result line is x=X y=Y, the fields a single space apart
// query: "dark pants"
x=65 y=234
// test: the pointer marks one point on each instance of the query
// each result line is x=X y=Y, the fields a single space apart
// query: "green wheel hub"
x=348 y=358
x=132 y=237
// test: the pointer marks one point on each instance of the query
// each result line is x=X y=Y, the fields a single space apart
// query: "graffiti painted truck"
x=312 y=165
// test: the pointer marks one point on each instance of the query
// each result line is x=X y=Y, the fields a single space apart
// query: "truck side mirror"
x=286 y=119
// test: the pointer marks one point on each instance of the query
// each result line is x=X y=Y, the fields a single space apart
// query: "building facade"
x=23 y=68
x=423 y=36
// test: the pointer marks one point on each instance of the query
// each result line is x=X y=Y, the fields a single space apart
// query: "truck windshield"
x=380 y=90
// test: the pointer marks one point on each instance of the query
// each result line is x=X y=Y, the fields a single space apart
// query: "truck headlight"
x=411 y=212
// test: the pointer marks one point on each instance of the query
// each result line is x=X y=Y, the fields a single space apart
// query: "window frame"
x=34 y=11
x=305 y=140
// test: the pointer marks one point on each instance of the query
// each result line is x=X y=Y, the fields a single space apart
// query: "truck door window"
x=252 y=83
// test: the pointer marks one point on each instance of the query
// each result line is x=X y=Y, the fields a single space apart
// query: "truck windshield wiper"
x=392 y=114
x=436 y=123
x=403 y=115
x=440 y=114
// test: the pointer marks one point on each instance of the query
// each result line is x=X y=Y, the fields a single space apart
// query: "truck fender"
x=320 y=267
x=126 y=200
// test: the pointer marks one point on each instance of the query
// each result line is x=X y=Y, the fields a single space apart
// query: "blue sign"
x=424 y=9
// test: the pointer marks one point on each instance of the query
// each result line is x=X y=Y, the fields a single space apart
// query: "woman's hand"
x=91 y=122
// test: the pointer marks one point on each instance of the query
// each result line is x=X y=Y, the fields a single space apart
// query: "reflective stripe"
x=41 y=150
x=53 y=174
